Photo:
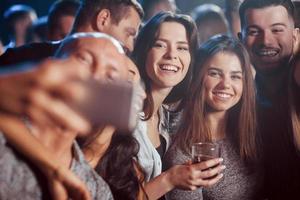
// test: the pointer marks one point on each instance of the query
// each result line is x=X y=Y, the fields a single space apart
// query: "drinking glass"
x=204 y=151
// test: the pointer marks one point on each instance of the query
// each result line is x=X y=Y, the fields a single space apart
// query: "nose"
x=225 y=82
x=267 y=38
x=171 y=53
x=128 y=47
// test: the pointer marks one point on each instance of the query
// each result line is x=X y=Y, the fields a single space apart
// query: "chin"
x=219 y=108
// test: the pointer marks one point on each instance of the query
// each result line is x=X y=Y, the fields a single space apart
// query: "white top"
x=148 y=157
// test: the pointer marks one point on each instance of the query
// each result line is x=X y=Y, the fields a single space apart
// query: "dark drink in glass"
x=205 y=151
x=201 y=158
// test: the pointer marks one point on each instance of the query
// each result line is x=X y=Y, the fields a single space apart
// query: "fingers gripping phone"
x=116 y=103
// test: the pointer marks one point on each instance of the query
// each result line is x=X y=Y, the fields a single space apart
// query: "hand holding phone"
x=116 y=103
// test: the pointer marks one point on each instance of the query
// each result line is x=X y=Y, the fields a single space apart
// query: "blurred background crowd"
x=33 y=27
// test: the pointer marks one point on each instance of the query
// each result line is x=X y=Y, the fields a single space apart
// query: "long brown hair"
x=145 y=41
x=241 y=120
x=122 y=152
x=294 y=106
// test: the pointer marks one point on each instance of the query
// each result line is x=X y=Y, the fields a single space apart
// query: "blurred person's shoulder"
x=19 y=179
x=98 y=188
x=32 y=52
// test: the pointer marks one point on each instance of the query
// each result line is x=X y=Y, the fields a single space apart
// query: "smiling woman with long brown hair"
x=220 y=108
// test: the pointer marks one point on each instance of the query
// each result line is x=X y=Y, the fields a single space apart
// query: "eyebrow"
x=178 y=42
x=275 y=24
x=279 y=24
x=220 y=70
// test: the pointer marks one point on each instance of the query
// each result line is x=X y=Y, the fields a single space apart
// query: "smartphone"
x=116 y=103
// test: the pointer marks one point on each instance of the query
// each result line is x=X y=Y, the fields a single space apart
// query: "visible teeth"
x=267 y=53
x=222 y=95
x=169 y=68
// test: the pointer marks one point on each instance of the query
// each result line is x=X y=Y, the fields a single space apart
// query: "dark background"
x=42 y=6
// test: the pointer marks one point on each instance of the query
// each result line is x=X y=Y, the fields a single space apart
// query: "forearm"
x=24 y=142
x=158 y=186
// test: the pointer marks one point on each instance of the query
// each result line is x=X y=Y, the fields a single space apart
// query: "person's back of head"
x=18 y=18
x=37 y=32
x=90 y=8
x=259 y=4
x=210 y=21
x=231 y=12
x=152 y=7
x=61 y=17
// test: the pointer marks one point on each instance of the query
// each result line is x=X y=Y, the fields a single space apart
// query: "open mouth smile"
x=222 y=95
x=267 y=52
x=168 y=67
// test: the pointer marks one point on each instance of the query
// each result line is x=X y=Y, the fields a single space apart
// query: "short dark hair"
x=148 y=5
x=38 y=28
x=252 y=4
x=15 y=13
x=297 y=13
x=61 y=8
x=90 y=8
x=145 y=41
x=202 y=12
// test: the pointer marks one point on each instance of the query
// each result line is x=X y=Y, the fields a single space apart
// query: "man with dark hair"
x=121 y=19
x=118 y=18
x=18 y=18
x=61 y=17
x=269 y=34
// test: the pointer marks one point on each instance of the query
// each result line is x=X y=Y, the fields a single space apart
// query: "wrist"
x=167 y=180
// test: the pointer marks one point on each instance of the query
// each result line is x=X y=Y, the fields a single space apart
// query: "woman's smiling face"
x=223 y=81
x=168 y=60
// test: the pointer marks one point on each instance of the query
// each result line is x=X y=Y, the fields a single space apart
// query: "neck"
x=95 y=150
x=85 y=29
x=19 y=41
x=217 y=123
x=58 y=141
x=271 y=84
x=159 y=95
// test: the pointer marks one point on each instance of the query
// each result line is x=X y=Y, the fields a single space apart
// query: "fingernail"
x=223 y=167
x=221 y=159
x=221 y=175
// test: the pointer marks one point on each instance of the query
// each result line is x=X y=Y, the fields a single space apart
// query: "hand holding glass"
x=204 y=151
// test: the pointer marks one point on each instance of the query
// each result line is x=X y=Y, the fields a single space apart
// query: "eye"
x=277 y=30
x=236 y=77
x=214 y=73
x=253 y=32
x=183 y=48
x=84 y=58
x=131 y=75
x=159 y=45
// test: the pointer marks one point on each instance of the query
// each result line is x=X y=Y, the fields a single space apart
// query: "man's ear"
x=296 y=35
x=296 y=40
x=103 y=19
